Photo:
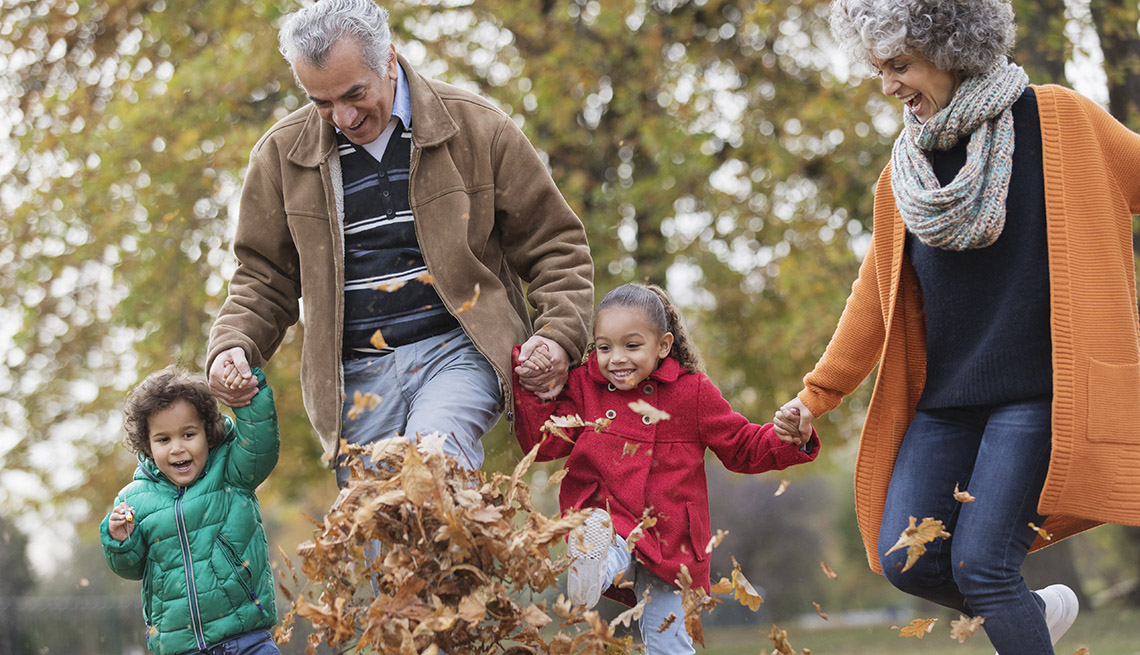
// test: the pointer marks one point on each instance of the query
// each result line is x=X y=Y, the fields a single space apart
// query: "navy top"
x=987 y=309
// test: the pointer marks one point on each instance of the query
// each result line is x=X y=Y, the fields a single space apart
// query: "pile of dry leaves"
x=418 y=556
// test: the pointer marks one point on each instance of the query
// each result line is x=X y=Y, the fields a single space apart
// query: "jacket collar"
x=667 y=371
x=432 y=126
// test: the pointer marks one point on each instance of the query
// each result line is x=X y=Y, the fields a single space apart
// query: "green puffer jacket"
x=200 y=550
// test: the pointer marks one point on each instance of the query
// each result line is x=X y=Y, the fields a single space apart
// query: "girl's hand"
x=792 y=422
x=539 y=361
x=122 y=522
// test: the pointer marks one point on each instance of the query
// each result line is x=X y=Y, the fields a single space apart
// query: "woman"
x=998 y=300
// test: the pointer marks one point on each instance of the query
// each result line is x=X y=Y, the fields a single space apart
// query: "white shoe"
x=590 y=549
x=1061 y=607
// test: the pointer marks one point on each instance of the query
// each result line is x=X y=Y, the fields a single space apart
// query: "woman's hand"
x=792 y=422
x=122 y=522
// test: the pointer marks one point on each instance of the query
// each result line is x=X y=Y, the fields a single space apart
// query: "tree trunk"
x=1115 y=23
x=1041 y=43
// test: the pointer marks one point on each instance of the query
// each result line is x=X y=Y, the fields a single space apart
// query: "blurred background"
x=721 y=148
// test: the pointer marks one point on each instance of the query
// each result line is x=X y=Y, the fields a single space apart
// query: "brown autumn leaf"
x=425 y=278
x=782 y=488
x=819 y=610
x=1041 y=531
x=779 y=637
x=715 y=540
x=363 y=402
x=389 y=285
x=378 y=341
x=914 y=539
x=629 y=449
x=638 y=530
x=827 y=570
x=965 y=626
x=917 y=628
x=1083 y=650
x=962 y=496
x=556 y=477
x=632 y=614
x=723 y=586
x=468 y=304
x=649 y=411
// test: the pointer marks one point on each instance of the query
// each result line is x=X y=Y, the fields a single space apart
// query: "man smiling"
x=408 y=214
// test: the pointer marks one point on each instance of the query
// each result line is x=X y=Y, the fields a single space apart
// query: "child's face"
x=628 y=346
x=178 y=442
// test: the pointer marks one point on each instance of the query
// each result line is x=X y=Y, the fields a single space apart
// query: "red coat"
x=666 y=472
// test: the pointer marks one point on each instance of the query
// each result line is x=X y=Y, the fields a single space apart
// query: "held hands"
x=122 y=522
x=231 y=380
x=792 y=422
x=543 y=367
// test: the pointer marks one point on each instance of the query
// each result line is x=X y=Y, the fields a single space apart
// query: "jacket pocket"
x=1114 y=408
x=699 y=531
x=240 y=569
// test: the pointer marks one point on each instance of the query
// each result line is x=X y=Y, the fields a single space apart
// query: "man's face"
x=348 y=94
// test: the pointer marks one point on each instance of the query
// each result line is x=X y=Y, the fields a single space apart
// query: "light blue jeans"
x=439 y=384
x=251 y=643
x=1000 y=454
x=664 y=599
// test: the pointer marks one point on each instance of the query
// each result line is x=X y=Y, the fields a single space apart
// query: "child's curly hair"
x=159 y=391
x=662 y=314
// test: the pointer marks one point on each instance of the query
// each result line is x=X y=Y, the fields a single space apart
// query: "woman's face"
x=919 y=84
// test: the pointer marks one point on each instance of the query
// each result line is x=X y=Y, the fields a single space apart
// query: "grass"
x=1107 y=631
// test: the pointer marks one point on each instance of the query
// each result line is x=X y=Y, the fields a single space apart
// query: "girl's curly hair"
x=964 y=36
x=662 y=314
x=159 y=391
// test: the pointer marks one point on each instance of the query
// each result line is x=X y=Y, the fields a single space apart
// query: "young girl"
x=637 y=464
x=189 y=525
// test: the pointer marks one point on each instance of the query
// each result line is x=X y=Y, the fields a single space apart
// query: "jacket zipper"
x=232 y=558
x=191 y=590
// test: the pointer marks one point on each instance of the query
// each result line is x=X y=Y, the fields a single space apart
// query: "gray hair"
x=308 y=34
x=964 y=36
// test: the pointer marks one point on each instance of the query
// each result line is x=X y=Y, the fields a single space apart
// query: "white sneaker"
x=590 y=549
x=1061 y=607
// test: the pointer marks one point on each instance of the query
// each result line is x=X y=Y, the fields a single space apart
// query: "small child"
x=642 y=354
x=189 y=525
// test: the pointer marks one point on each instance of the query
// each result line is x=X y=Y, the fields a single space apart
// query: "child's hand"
x=539 y=359
x=122 y=522
x=793 y=422
x=232 y=377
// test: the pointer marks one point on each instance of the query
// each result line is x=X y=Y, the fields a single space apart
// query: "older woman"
x=998 y=301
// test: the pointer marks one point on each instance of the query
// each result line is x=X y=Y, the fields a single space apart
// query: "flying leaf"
x=378 y=341
x=962 y=496
x=964 y=627
x=745 y=592
x=782 y=488
x=415 y=478
x=363 y=402
x=468 y=304
x=722 y=587
x=1041 y=531
x=779 y=637
x=715 y=540
x=556 y=477
x=632 y=614
x=917 y=628
x=827 y=570
x=390 y=285
x=649 y=411
x=914 y=539
x=819 y=610
x=425 y=278
x=629 y=449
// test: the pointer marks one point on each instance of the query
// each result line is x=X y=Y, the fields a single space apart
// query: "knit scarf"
x=969 y=212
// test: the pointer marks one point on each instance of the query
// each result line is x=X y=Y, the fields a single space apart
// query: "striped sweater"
x=1092 y=187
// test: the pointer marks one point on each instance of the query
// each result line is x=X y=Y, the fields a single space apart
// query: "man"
x=407 y=213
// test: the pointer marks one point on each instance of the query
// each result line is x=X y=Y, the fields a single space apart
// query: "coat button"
x=612 y=387
x=646 y=420
x=647 y=389
x=611 y=414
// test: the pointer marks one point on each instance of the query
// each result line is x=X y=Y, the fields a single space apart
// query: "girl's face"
x=922 y=87
x=178 y=442
x=628 y=346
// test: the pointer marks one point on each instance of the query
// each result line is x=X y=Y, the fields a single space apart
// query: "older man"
x=408 y=214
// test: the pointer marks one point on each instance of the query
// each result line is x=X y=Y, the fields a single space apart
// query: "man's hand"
x=546 y=374
x=793 y=422
x=231 y=381
x=122 y=522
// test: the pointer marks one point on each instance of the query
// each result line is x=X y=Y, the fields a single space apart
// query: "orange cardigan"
x=1092 y=188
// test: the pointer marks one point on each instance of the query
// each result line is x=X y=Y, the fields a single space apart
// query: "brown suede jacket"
x=487 y=216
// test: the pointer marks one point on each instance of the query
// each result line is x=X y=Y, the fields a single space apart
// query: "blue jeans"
x=439 y=384
x=664 y=599
x=1000 y=454
x=251 y=643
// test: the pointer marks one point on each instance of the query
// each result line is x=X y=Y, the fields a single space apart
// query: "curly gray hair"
x=308 y=34
x=964 y=36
